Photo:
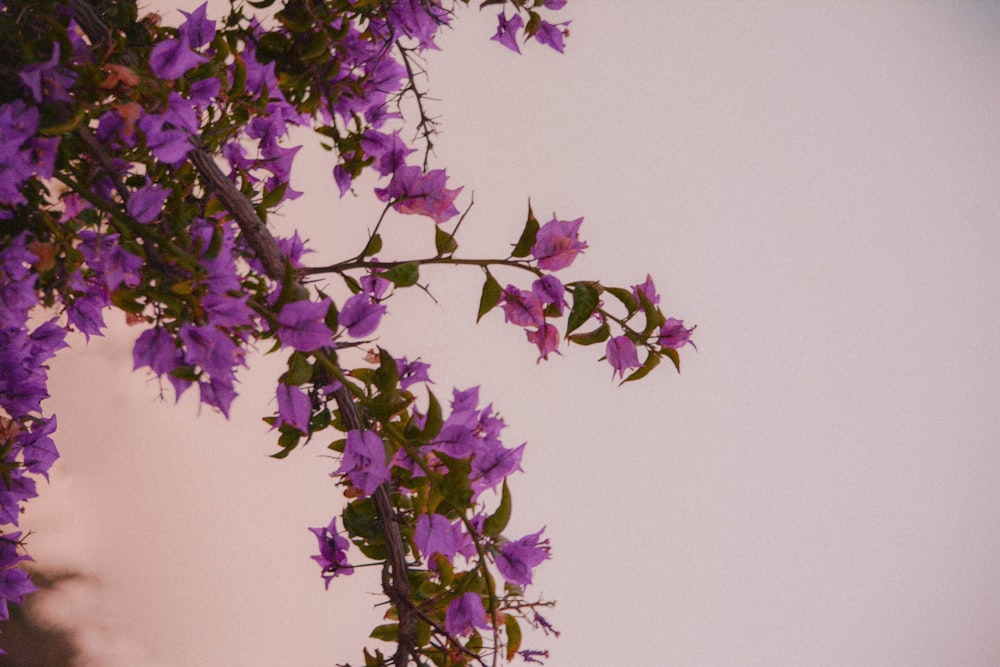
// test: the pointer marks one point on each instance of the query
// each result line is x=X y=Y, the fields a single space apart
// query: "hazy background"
x=813 y=184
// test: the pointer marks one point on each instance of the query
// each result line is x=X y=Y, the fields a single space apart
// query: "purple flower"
x=648 y=289
x=146 y=203
x=522 y=308
x=455 y=440
x=673 y=334
x=158 y=350
x=46 y=82
x=434 y=533
x=39 y=451
x=546 y=338
x=415 y=192
x=294 y=407
x=303 y=326
x=364 y=461
x=494 y=462
x=411 y=372
x=622 y=355
x=197 y=29
x=550 y=291
x=211 y=349
x=507 y=31
x=360 y=316
x=552 y=34
x=332 y=552
x=558 y=244
x=465 y=614
x=517 y=559
x=171 y=58
x=217 y=393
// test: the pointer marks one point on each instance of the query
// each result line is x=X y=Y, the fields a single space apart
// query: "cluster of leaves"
x=138 y=167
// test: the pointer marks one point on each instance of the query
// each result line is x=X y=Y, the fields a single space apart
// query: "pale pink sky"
x=815 y=185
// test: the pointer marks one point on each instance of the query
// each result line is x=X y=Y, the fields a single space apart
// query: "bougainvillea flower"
x=332 y=552
x=621 y=355
x=465 y=614
x=303 y=326
x=550 y=291
x=507 y=30
x=364 y=461
x=146 y=203
x=648 y=289
x=171 y=58
x=551 y=34
x=674 y=335
x=557 y=244
x=411 y=372
x=517 y=559
x=38 y=450
x=415 y=192
x=493 y=462
x=197 y=29
x=157 y=349
x=360 y=316
x=434 y=533
x=294 y=407
x=46 y=81
x=522 y=308
x=546 y=338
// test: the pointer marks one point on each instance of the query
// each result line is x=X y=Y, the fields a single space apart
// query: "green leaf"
x=299 y=369
x=626 y=297
x=654 y=318
x=373 y=247
x=389 y=632
x=435 y=421
x=387 y=375
x=444 y=242
x=490 y=296
x=673 y=355
x=260 y=4
x=585 y=300
x=352 y=283
x=496 y=522
x=598 y=335
x=528 y=236
x=403 y=275
x=513 y=629
x=652 y=361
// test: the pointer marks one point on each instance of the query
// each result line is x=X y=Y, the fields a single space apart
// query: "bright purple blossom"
x=197 y=29
x=465 y=614
x=674 y=335
x=413 y=191
x=38 y=450
x=550 y=291
x=146 y=203
x=622 y=355
x=434 y=533
x=648 y=289
x=171 y=58
x=522 y=308
x=507 y=30
x=493 y=462
x=517 y=559
x=294 y=407
x=303 y=325
x=546 y=338
x=332 y=552
x=360 y=315
x=551 y=34
x=411 y=372
x=46 y=81
x=557 y=244
x=364 y=461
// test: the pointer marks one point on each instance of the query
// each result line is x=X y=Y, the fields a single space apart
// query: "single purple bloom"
x=465 y=614
x=294 y=407
x=674 y=335
x=554 y=5
x=493 y=463
x=414 y=192
x=303 y=326
x=647 y=288
x=546 y=338
x=388 y=150
x=522 y=308
x=85 y=312
x=465 y=401
x=364 y=461
x=622 y=355
x=434 y=533
x=210 y=348
x=550 y=291
x=360 y=315
x=227 y=311
x=205 y=92
x=375 y=285
x=552 y=34
x=332 y=552
x=294 y=248
x=507 y=30
x=38 y=450
x=146 y=203
x=411 y=372
x=157 y=349
x=557 y=244
x=197 y=29
x=46 y=339
x=455 y=440
x=171 y=58
x=45 y=80
x=517 y=559
x=218 y=393
x=342 y=177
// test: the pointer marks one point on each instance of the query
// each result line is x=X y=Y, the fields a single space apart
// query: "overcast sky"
x=813 y=184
